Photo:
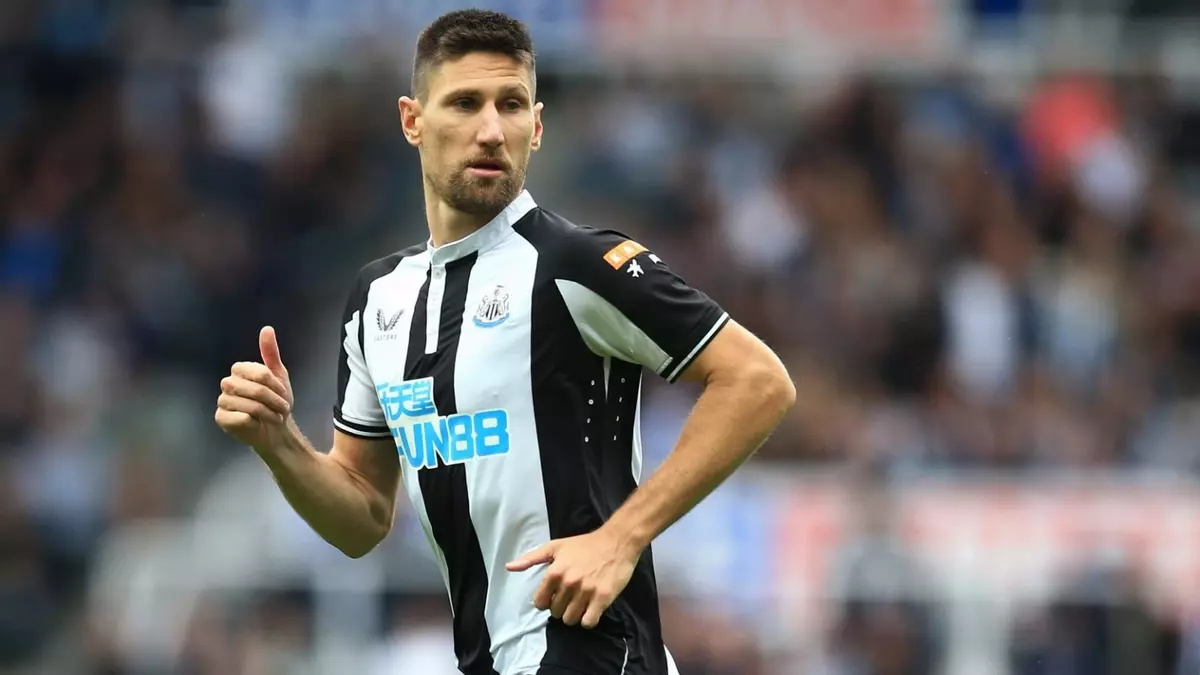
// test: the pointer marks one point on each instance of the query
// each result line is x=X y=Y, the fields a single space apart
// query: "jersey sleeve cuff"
x=675 y=369
x=359 y=429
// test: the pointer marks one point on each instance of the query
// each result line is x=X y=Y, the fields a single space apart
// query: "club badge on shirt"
x=493 y=307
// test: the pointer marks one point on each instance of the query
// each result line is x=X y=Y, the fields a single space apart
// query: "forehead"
x=480 y=70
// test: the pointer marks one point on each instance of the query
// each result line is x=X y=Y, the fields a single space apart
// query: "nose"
x=491 y=134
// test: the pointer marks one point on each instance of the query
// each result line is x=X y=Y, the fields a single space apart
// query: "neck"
x=447 y=224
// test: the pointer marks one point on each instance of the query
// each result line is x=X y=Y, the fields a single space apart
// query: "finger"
x=562 y=599
x=546 y=591
x=257 y=372
x=249 y=406
x=252 y=390
x=258 y=392
x=268 y=346
x=538 y=556
x=228 y=419
x=596 y=607
x=578 y=607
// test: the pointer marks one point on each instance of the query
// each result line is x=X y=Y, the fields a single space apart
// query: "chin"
x=482 y=197
x=481 y=202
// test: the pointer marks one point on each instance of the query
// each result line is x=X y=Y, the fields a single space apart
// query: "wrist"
x=632 y=538
x=286 y=441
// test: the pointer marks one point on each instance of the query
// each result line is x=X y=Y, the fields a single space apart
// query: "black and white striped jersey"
x=507 y=368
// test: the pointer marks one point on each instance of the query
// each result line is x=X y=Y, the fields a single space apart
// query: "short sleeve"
x=357 y=411
x=628 y=304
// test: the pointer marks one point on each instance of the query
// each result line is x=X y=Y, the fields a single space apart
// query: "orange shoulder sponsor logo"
x=622 y=253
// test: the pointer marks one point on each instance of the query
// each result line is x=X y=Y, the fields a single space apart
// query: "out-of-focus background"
x=970 y=227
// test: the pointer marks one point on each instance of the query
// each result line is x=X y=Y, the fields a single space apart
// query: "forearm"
x=339 y=505
x=730 y=422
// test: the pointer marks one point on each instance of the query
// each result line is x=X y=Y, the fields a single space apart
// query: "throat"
x=448 y=224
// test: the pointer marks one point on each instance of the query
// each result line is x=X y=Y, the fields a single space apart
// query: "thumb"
x=268 y=345
x=538 y=556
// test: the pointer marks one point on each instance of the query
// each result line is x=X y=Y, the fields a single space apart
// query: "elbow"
x=772 y=386
x=370 y=521
x=356 y=552
x=787 y=394
x=363 y=544
x=373 y=530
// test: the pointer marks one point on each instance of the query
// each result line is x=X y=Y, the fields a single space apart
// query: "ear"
x=411 y=121
x=537 y=126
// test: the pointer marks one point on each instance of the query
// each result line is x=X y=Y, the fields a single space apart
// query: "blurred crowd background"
x=970 y=228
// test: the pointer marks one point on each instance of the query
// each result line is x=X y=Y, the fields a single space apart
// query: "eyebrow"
x=472 y=92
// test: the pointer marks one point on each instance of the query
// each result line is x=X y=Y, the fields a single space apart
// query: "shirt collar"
x=485 y=237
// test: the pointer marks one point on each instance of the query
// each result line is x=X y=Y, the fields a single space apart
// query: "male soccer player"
x=495 y=371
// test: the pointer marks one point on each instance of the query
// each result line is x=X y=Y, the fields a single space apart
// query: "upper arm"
x=736 y=353
x=628 y=304
x=373 y=461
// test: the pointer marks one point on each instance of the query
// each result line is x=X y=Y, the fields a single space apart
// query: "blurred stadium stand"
x=971 y=228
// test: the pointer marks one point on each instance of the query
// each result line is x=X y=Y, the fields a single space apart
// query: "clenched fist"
x=256 y=399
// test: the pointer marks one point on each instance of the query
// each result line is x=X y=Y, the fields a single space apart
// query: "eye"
x=513 y=105
x=464 y=104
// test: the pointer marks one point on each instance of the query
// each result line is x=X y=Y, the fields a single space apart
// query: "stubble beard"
x=482 y=196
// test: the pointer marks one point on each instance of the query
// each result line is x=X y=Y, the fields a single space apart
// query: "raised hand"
x=256 y=398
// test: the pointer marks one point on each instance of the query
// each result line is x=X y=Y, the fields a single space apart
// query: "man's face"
x=476 y=128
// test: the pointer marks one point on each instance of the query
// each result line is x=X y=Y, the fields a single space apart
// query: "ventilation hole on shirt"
x=614 y=438
x=618 y=418
x=593 y=383
x=620 y=398
x=589 y=420
x=585 y=439
x=590 y=401
x=622 y=380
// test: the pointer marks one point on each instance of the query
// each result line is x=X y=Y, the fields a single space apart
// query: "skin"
x=478 y=107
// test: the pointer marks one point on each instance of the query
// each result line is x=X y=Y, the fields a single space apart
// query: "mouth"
x=487 y=168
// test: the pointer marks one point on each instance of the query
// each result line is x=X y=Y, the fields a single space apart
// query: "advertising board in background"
x=557 y=26
x=779 y=544
x=671 y=33
x=799 y=33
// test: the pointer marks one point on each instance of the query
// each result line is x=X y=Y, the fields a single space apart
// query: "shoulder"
x=381 y=267
x=574 y=247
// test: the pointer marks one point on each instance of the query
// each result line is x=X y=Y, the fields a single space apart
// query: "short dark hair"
x=456 y=34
